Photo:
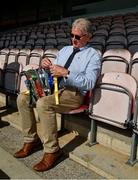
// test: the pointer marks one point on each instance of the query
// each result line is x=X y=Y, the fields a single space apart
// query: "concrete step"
x=12 y=168
x=104 y=161
x=112 y=137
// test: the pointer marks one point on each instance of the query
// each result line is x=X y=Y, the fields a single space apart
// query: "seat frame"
x=129 y=124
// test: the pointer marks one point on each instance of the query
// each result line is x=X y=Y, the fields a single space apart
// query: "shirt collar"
x=85 y=47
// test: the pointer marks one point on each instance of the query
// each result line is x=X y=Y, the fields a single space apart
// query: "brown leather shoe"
x=48 y=161
x=27 y=149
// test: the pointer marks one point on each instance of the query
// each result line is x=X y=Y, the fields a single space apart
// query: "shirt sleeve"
x=86 y=80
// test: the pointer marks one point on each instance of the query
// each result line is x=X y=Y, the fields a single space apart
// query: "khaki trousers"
x=46 y=110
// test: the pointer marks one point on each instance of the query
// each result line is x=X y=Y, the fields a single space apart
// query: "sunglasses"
x=77 y=37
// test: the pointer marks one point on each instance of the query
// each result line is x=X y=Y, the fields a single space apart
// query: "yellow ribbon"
x=26 y=92
x=56 y=90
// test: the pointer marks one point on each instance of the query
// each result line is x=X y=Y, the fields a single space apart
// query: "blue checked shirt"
x=84 y=69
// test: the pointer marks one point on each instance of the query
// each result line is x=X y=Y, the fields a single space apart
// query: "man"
x=77 y=79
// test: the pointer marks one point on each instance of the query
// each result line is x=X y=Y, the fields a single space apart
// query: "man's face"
x=78 y=39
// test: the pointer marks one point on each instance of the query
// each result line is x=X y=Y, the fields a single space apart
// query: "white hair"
x=84 y=25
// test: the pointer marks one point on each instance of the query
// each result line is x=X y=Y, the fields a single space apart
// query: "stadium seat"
x=61 y=42
x=116 y=60
x=39 y=43
x=23 y=56
x=51 y=53
x=2 y=44
x=117 y=31
x=118 y=24
x=35 y=56
x=132 y=30
x=51 y=35
x=133 y=43
x=51 y=42
x=101 y=32
x=7 y=43
x=12 y=56
x=113 y=102
x=98 y=42
x=61 y=35
x=117 y=41
x=133 y=68
x=30 y=44
x=133 y=71
x=20 y=44
x=3 y=62
x=84 y=108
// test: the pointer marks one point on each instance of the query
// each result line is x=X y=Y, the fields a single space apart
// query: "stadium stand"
x=117 y=31
x=116 y=38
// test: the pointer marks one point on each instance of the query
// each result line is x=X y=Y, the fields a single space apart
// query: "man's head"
x=81 y=32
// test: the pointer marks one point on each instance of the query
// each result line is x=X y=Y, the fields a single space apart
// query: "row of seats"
x=39 y=30
x=23 y=56
x=13 y=62
x=50 y=42
x=37 y=36
x=27 y=56
x=127 y=20
x=118 y=31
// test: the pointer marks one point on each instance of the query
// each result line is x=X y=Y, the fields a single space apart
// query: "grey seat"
x=118 y=41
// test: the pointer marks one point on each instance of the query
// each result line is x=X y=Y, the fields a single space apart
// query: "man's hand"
x=58 y=71
x=46 y=63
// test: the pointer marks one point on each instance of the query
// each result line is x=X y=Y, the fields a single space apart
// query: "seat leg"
x=7 y=101
x=133 y=155
x=62 y=122
x=93 y=133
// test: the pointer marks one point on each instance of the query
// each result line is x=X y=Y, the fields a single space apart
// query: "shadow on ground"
x=3 y=175
x=4 y=110
x=3 y=124
x=70 y=146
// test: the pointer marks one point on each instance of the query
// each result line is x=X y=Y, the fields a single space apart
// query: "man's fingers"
x=46 y=63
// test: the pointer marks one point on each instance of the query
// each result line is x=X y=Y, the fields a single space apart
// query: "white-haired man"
x=77 y=79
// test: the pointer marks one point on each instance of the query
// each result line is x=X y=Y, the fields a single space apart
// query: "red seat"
x=83 y=108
